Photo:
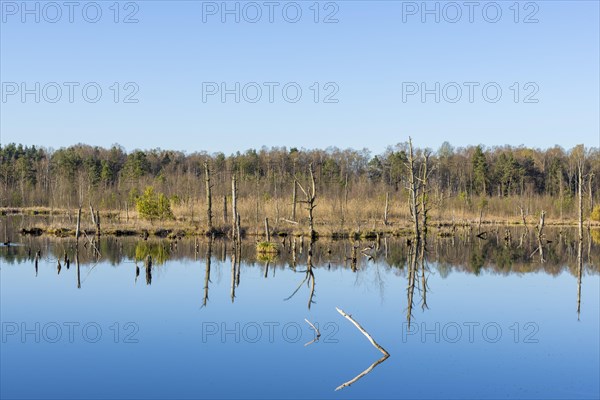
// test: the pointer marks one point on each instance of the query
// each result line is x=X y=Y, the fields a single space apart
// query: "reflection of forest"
x=502 y=252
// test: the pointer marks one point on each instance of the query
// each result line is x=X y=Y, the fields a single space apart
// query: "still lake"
x=487 y=318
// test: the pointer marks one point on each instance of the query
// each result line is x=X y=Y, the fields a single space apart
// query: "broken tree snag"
x=310 y=200
x=524 y=219
x=579 y=274
x=385 y=211
x=540 y=227
x=363 y=331
x=294 y=199
x=424 y=182
x=234 y=212
x=97 y=223
x=93 y=215
x=591 y=191
x=580 y=185
x=540 y=233
x=224 y=210
x=77 y=230
x=267 y=232
x=413 y=188
x=209 y=225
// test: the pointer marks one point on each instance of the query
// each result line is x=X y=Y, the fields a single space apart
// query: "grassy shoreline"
x=115 y=224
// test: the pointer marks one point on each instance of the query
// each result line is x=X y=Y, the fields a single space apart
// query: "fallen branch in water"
x=317 y=333
x=363 y=331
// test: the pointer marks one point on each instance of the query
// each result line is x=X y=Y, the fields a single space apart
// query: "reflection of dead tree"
x=353 y=258
x=233 y=271
x=579 y=275
x=77 y=266
x=149 y=270
x=540 y=234
x=36 y=261
x=373 y=342
x=207 y=271
x=309 y=278
x=410 y=290
x=317 y=333
x=365 y=372
x=423 y=277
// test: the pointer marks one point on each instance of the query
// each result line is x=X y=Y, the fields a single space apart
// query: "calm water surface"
x=487 y=319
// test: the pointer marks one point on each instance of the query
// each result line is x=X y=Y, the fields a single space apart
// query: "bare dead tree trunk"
x=225 y=210
x=540 y=233
x=579 y=275
x=93 y=215
x=310 y=201
x=77 y=231
x=580 y=211
x=97 y=223
x=345 y=208
x=591 y=192
x=425 y=191
x=413 y=187
x=234 y=205
x=385 y=212
x=524 y=219
x=294 y=199
x=209 y=225
x=267 y=231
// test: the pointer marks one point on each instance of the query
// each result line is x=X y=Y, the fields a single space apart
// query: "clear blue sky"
x=368 y=54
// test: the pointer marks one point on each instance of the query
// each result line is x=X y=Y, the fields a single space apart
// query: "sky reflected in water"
x=496 y=322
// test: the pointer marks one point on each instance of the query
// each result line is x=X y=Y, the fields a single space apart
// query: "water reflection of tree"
x=459 y=252
x=309 y=277
x=160 y=251
x=207 y=270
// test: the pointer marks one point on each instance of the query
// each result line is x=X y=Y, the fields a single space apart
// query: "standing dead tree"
x=540 y=235
x=310 y=200
x=294 y=200
x=413 y=188
x=209 y=225
x=581 y=179
x=234 y=211
x=386 y=209
x=78 y=229
x=426 y=171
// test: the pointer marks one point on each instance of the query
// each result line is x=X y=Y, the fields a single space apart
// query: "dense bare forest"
x=354 y=189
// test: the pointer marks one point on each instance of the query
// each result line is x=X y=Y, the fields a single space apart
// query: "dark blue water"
x=491 y=331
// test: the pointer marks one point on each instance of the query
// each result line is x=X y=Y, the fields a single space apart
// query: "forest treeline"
x=352 y=186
